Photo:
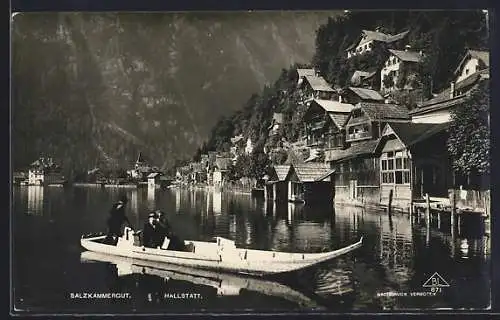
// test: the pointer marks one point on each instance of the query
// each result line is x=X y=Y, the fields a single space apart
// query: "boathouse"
x=310 y=183
x=357 y=177
x=153 y=180
x=276 y=187
x=413 y=162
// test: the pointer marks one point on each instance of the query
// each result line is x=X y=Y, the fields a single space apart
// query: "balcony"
x=358 y=136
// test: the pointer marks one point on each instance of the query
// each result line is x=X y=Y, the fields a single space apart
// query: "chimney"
x=452 y=90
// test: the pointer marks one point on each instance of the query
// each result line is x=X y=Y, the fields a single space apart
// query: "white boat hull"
x=221 y=255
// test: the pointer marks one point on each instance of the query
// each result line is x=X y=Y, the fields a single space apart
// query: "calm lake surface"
x=398 y=256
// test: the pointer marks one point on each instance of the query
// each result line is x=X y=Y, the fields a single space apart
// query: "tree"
x=469 y=140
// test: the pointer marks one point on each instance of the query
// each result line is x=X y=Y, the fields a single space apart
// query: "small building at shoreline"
x=276 y=187
x=310 y=182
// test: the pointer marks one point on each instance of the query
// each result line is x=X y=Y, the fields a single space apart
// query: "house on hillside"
x=364 y=79
x=45 y=171
x=198 y=173
x=400 y=70
x=221 y=169
x=249 y=146
x=141 y=169
x=354 y=95
x=301 y=73
x=369 y=39
x=357 y=167
x=315 y=87
x=310 y=183
x=276 y=122
x=367 y=119
x=472 y=70
x=407 y=168
x=276 y=188
x=324 y=122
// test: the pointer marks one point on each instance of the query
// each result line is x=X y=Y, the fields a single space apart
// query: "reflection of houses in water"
x=35 y=200
x=396 y=246
x=312 y=236
x=151 y=198
x=134 y=205
x=177 y=200
x=232 y=226
x=217 y=202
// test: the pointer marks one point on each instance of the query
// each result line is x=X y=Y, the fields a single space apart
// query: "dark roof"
x=482 y=56
x=318 y=83
x=367 y=94
x=412 y=133
x=384 y=111
x=440 y=105
x=358 y=149
x=407 y=56
x=309 y=172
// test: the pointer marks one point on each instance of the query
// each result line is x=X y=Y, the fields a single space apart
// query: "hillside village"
x=357 y=144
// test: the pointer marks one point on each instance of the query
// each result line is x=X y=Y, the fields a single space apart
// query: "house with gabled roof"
x=310 y=183
x=275 y=187
x=354 y=95
x=369 y=39
x=45 y=171
x=364 y=79
x=472 y=70
x=315 y=87
x=324 y=124
x=407 y=169
x=357 y=172
x=301 y=73
x=401 y=67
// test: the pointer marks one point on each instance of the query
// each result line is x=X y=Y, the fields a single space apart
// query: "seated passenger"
x=149 y=232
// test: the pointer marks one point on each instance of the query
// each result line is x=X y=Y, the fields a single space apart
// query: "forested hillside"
x=95 y=89
x=442 y=36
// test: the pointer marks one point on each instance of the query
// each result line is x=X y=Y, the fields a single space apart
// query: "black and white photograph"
x=207 y=162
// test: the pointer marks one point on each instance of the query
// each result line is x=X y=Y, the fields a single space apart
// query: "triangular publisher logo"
x=435 y=281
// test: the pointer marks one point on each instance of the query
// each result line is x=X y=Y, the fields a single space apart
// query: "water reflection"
x=35 y=200
x=395 y=256
x=151 y=198
x=224 y=284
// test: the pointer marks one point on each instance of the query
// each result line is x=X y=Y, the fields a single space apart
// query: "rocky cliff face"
x=93 y=89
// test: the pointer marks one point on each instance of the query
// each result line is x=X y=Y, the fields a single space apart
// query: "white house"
x=249 y=146
x=153 y=180
x=368 y=40
x=44 y=172
x=472 y=69
x=395 y=63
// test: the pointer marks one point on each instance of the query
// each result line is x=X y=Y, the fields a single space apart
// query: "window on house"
x=477 y=67
x=395 y=168
x=466 y=71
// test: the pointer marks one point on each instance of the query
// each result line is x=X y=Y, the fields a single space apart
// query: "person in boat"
x=117 y=219
x=149 y=232
x=165 y=230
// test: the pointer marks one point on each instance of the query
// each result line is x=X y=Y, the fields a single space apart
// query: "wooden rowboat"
x=219 y=255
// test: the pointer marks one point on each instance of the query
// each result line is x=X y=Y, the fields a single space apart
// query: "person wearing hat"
x=117 y=219
x=149 y=237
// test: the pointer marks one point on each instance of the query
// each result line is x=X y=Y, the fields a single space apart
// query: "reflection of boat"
x=226 y=284
x=219 y=255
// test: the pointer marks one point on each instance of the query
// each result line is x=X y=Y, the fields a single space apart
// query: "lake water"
x=398 y=256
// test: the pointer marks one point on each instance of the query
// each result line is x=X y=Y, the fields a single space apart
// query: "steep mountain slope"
x=98 y=88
